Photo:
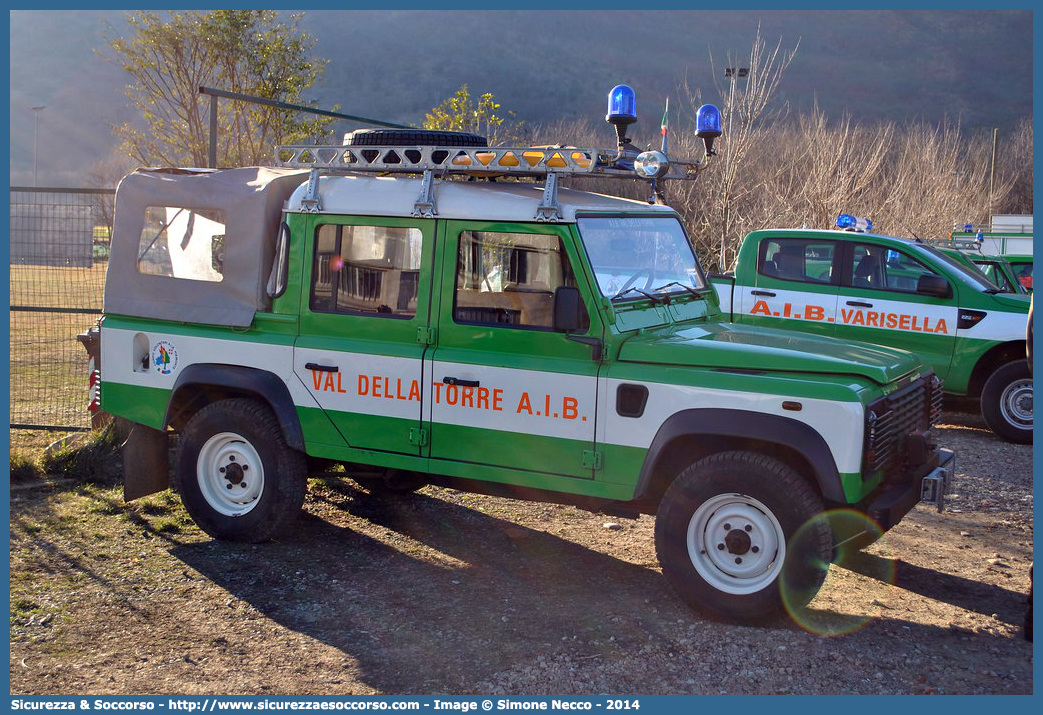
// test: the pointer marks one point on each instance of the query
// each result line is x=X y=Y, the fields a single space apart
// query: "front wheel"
x=1006 y=402
x=238 y=478
x=740 y=536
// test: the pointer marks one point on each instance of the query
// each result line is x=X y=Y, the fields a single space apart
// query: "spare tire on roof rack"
x=416 y=137
x=411 y=137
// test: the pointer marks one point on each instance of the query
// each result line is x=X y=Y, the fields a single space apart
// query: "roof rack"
x=542 y=162
x=963 y=243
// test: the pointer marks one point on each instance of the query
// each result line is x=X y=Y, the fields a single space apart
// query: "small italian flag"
x=665 y=112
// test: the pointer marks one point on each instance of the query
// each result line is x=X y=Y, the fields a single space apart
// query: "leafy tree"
x=245 y=51
x=460 y=113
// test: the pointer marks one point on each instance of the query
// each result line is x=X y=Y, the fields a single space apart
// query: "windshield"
x=632 y=254
x=969 y=275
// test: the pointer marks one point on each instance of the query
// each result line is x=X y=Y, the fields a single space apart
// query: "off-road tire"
x=1006 y=402
x=413 y=137
x=238 y=478
x=732 y=502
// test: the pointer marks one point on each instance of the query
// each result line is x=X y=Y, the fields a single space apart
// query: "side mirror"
x=930 y=284
x=570 y=315
x=568 y=309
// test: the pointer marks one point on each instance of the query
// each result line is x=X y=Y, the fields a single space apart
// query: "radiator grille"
x=890 y=420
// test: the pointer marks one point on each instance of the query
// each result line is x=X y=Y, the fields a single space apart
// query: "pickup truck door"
x=879 y=304
x=506 y=390
x=364 y=317
x=793 y=285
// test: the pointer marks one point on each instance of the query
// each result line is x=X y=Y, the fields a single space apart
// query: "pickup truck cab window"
x=798 y=260
x=883 y=268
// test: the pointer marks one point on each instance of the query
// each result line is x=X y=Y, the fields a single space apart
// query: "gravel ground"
x=447 y=592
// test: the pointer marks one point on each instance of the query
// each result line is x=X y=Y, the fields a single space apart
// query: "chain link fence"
x=59 y=253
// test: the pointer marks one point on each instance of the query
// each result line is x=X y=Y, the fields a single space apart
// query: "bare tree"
x=745 y=110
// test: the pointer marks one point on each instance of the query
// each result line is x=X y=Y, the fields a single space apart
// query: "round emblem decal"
x=164 y=357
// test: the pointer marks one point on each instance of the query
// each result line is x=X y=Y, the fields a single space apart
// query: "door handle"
x=459 y=382
x=762 y=292
x=321 y=368
x=859 y=304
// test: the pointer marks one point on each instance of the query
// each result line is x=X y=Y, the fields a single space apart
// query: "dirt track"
x=445 y=592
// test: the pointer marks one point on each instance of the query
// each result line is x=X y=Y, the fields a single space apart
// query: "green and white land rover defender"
x=898 y=292
x=360 y=304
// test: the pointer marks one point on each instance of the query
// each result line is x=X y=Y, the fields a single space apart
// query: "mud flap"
x=146 y=462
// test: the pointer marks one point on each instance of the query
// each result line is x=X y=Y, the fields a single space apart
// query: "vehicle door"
x=795 y=285
x=507 y=390
x=879 y=303
x=363 y=326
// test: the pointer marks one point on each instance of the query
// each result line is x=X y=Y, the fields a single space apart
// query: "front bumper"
x=928 y=482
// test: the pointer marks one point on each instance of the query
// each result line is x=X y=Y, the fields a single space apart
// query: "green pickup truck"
x=898 y=292
x=382 y=304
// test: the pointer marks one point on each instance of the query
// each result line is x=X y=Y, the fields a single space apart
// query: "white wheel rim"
x=1016 y=403
x=230 y=474
x=736 y=544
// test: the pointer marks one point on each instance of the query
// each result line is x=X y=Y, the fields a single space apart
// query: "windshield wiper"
x=654 y=298
x=679 y=285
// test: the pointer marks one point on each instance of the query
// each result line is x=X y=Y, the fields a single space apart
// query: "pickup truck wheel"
x=238 y=478
x=1006 y=402
x=737 y=538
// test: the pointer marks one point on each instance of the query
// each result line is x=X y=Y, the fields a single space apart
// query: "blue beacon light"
x=854 y=223
x=622 y=111
x=622 y=106
x=708 y=125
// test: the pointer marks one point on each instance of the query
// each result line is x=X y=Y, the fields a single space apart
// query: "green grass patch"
x=24 y=468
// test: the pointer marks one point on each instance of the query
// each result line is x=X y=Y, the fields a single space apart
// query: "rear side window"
x=182 y=243
x=798 y=259
x=366 y=270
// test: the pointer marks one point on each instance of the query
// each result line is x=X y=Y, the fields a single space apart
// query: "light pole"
x=732 y=74
x=36 y=136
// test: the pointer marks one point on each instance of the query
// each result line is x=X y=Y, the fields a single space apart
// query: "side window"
x=885 y=269
x=797 y=259
x=182 y=243
x=366 y=270
x=509 y=278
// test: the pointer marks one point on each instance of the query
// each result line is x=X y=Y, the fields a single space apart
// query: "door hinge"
x=591 y=459
x=418 y=436
x=425 y=335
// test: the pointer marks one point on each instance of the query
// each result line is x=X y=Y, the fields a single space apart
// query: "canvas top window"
x=181 y=242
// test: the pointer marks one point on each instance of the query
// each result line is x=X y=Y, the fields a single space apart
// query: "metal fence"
x=59 y=253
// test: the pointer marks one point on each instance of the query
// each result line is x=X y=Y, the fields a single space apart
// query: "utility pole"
x=992 y=169
x=36 y=137
x=732 y=74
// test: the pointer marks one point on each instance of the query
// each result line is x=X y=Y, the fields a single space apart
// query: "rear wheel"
x=738 y=537
x=1006 y=402
x=238 y=478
